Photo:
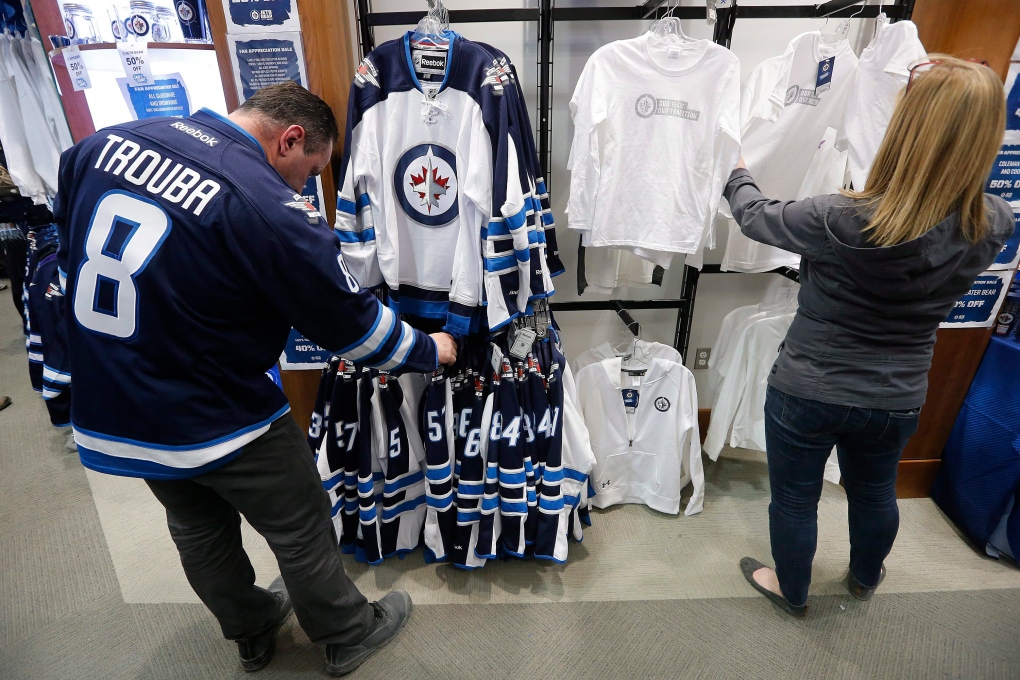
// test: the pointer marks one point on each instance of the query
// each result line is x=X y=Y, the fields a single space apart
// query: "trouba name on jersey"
x=147 y=168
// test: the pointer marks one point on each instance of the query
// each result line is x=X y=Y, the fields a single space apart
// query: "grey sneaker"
x=257 y=651
x=391 y=613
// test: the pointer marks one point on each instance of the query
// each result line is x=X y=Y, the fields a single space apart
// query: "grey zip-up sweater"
x=865 y=327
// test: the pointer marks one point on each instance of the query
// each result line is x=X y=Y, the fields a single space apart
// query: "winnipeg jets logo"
x=662 y=404
x=428 y=184
x=425 y=182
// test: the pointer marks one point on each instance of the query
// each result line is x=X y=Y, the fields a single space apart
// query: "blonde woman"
x=880 y=269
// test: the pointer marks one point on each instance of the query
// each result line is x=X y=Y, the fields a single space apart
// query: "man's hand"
x=741 y=165
x=446 y=347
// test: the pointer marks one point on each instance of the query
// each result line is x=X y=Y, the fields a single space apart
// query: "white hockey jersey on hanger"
x=430 y=201
x=644 y=433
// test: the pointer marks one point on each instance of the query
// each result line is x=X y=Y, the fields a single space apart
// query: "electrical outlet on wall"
x=701 y=357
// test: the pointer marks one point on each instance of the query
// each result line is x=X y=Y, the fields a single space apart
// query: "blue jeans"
x=799 y=436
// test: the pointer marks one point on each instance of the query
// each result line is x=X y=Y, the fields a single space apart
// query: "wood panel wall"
x=50 y=22
x=971 y=29
x=218 y=28
x=330 y=64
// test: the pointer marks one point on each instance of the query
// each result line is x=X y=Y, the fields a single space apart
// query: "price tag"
x=76 y=68
x=497 y=360
x=135 y=58
x=522 y=342
x=630 y=400
x=824 y=78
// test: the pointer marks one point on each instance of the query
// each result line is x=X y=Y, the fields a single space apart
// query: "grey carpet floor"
x=644 y=597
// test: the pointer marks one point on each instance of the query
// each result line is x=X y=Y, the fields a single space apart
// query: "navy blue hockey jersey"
x=187 y=260
x=46 y=304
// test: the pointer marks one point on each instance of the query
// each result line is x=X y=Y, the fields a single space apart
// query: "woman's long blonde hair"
x=937 y=153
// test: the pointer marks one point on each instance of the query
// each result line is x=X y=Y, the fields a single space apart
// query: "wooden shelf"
x=152 y=46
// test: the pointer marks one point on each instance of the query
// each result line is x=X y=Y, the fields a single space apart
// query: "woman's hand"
x=741 y=165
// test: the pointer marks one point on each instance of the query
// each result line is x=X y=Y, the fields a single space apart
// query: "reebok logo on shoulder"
x=200 y=135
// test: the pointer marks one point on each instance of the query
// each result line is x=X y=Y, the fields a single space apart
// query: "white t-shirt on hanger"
x=13 y=134
x=786 y=121
x=41 y=143
x=738 y=414
x=653 y=144
x=883 y=71
x=606 y=269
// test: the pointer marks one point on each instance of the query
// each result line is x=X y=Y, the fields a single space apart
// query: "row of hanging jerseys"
x=499 y=456
x=488 y=458
x=44 y=323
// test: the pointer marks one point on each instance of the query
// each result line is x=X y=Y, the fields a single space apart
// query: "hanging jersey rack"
x=546 y=15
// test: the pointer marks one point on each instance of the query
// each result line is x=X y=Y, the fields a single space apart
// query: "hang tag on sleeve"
x=76 y=68
x=824 y=79
x=135 y=58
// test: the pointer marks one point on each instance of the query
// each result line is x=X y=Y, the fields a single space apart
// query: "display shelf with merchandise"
x=546 y=15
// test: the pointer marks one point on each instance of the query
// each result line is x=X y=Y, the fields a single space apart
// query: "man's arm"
x=295 y=259
x=796 y=226
x=65 y=182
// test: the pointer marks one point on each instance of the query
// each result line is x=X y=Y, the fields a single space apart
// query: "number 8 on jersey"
x=125 y=232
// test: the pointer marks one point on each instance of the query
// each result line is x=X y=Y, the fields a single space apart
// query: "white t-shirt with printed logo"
x=653 y=144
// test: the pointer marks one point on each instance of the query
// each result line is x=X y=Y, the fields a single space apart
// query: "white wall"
x=753 y=42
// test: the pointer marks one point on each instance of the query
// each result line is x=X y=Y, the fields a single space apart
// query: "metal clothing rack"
x=546 y=15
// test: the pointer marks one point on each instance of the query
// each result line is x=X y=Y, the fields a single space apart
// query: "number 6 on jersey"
x=125 y=232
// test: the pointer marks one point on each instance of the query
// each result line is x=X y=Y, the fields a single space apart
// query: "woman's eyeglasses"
x=926 y=66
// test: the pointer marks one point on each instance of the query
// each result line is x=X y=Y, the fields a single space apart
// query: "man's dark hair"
x=289 y=104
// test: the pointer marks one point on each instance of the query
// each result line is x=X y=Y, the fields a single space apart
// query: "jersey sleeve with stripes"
x=578 y=459
x=539 y=216
x=354 y=223
x=506 y=253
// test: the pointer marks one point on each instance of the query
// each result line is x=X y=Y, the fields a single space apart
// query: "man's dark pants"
x=275 y=485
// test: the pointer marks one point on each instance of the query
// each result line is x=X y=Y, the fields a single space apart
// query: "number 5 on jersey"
x=125 y=232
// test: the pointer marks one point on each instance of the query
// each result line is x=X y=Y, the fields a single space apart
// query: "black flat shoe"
x=257 y=651
x=749 y=565
x=860 y=591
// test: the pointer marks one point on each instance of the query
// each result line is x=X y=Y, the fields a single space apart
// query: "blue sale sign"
x=167 y=96
x=302 y=354
x=1013 y=97
x=265 y=62
x=977 y=308
x=1009 y=256
x=1005 y=178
